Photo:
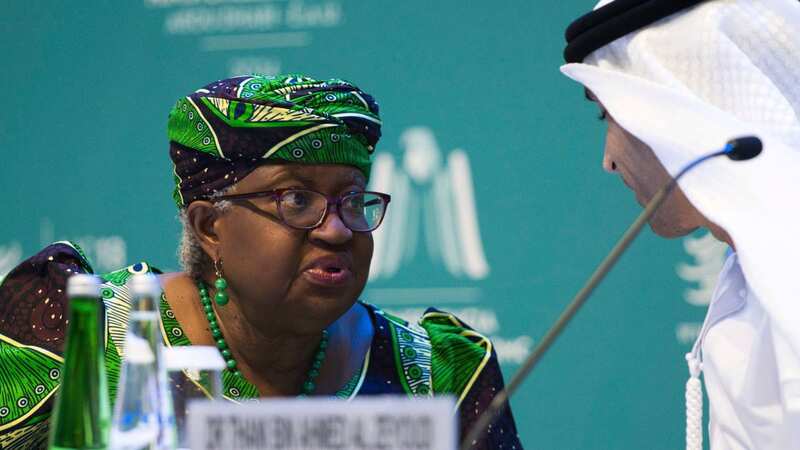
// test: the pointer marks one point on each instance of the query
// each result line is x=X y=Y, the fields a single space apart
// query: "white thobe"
x=751 y=374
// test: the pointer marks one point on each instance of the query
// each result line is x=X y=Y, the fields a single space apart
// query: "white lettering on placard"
x=387 y=423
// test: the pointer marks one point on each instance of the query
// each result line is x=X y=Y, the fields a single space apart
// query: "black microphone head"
x=744 y=148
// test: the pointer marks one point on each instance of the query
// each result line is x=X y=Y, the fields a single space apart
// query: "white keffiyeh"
x=686 y=85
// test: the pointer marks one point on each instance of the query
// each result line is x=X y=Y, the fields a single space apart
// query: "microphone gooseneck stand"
x=740 y=149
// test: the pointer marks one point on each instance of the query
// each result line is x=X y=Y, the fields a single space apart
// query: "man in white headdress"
x=675 y=80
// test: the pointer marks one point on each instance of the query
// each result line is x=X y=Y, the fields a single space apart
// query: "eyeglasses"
x=305 y=209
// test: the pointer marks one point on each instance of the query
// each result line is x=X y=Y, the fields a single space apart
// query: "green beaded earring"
x=221 y=284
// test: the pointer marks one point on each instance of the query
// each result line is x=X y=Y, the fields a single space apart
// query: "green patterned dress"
x=438 y=355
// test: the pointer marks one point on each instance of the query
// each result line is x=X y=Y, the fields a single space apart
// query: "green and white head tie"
x=223 y=131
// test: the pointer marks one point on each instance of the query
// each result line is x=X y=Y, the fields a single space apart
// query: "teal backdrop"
x=501 y=208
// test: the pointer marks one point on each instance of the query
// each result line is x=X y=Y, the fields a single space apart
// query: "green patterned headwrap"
x=223 y=131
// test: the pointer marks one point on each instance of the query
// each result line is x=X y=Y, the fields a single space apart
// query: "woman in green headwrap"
x=271 y=176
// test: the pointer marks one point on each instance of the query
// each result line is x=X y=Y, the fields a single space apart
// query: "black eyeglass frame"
x=276 y=195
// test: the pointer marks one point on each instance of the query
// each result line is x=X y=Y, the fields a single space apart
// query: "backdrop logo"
x=709 y=256
x=105 y=253
x=432 y=196
x=10 y=256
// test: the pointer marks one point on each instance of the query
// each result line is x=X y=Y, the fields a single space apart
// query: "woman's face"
x=290 y=280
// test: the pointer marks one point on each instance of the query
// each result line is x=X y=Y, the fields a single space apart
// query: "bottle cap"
x=83 y=285
x=145 y=285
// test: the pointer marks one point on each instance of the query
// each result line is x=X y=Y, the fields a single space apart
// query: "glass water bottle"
x=143 y=416
x=81 y=416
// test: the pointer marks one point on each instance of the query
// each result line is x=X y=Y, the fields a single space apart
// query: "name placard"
x=376 y=423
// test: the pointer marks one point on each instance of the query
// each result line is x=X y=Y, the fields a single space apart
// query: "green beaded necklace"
x=309 y=386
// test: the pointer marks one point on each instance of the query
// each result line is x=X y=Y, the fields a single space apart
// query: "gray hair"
x=194 y=260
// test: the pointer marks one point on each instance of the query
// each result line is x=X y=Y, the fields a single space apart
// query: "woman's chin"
x=337 y=292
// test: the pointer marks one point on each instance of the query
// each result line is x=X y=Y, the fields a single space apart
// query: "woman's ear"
x=202 y=217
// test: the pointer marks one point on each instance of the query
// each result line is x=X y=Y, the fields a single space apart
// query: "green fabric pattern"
x=347 y=390
x=118 y=277
x=338 y=149
x=173 y=333
x=28 y=377
x=187 y=126
x=116 y=298
x=457 y=352
x=32 y=436
x=412 y=353
x=223 y=131
x=259 y=116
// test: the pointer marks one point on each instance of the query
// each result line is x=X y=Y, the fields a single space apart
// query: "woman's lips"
x=330 y=270
x=328 y=277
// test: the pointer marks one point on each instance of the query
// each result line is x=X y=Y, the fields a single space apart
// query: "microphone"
x=743 y=148
x=739 y=149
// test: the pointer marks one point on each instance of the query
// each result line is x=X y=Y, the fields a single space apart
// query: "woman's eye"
x=354 y=202
x=295 y=199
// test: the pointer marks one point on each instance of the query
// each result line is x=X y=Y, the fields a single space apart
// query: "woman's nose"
x=332 y=230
